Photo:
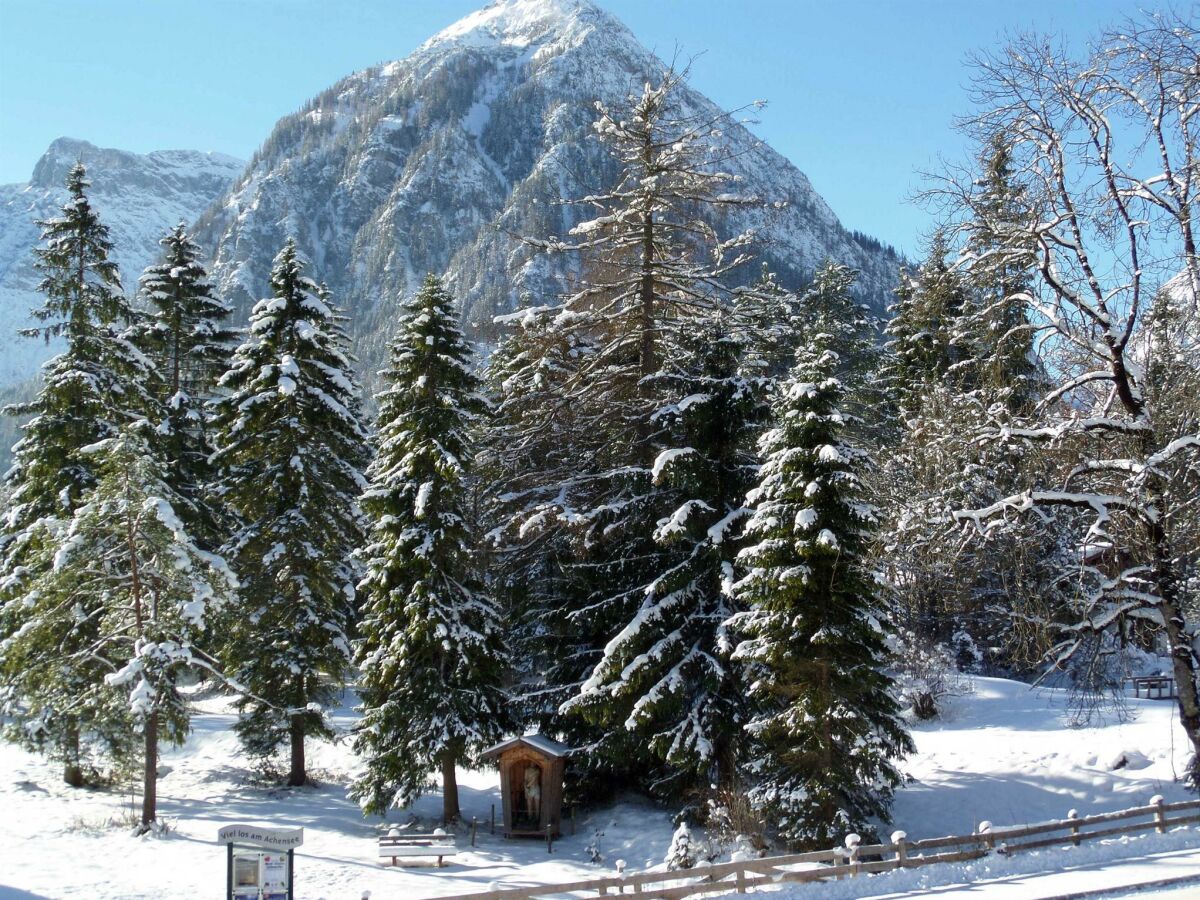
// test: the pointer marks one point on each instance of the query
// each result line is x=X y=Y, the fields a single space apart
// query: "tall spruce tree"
x=532 y=445
x=826 y=730
x=922 y=344
x=963 y=365
x=431 y=654
x=97 y=383
x=128 y=556
x=291 y=447
x=664 y=678
x=771 y=319
x=1000 y=270
x=831 y=316
x=650 y=262
x=186 y=337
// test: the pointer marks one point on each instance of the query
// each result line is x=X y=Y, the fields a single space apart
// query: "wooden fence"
x=860 y=859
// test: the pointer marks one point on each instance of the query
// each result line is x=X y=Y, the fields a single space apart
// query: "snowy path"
x=1104 y=876
x=1048 y=875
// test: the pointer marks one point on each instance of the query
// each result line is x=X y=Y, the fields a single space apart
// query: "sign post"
x=260 y=875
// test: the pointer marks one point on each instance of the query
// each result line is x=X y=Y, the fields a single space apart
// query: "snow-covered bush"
x=926 y=675
x=734 y=825
x=594 y=854
x=967 y=655
x=683 y=852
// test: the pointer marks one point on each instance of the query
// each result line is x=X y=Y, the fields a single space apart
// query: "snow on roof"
x=538 y=742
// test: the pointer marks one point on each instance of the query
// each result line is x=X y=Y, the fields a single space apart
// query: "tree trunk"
x=450 y=811
x=1183 y=668
x=1179 y=640
x=647 y=349
x=150 y=774
x=297 y=777
x=72 y=770
x=1179 y=644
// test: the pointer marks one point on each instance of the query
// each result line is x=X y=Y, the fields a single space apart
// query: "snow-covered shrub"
x=967 y=655
x=683 y=852
x=926 y=675
x=733 y=824
x=594 y=853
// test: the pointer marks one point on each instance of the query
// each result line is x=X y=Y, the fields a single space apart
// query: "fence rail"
x=858 y=859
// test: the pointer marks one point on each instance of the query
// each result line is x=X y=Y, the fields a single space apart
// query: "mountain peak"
x=138 y=196
x=522 y=22
x=63 y=152
x=107 y=165
x=439 y=161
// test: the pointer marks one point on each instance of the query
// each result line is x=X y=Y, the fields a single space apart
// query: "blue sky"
x=861 y=94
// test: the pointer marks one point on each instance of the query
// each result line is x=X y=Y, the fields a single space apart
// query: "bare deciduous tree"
x=1104 y=148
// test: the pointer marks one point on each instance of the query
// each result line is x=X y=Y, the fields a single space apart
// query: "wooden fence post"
x=549 y=838
x=1160 y=816
x=474 y=827
x=899 y=838
x=1072 y=815
x=985 y=831
x=493 y=818
x=739 y=878
x=852 y=842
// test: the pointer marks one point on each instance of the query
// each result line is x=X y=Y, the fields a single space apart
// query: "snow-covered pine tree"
x=291 y=447
x=973 y=366
x=127 y=556
x=996 y=331
x=649 y=260
x=431 y=654
x=531 y=446
x=664 y=677
x=770 y=318
x=826 y=731
x=97 y=383
x=1002 y=591
x=1169 y=350
x=921 y=344
x=683 y=852
x=186 y=337
x=828 y=312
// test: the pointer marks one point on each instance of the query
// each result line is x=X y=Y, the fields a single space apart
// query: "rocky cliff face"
x=138 y=196
x=439 y=161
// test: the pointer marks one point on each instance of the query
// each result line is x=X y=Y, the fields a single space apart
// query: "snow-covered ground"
x=1004 y=754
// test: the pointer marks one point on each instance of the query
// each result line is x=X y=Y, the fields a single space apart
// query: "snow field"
x=1003 y=753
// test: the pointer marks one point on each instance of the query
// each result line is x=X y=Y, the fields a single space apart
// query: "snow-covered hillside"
x=1003 y=753
x=138 y=196
x=442 y=160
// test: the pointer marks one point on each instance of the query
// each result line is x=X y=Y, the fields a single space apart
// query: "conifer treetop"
x=81 y=285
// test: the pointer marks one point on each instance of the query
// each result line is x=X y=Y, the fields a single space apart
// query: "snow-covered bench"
x=1155 y=687
x=397 y=843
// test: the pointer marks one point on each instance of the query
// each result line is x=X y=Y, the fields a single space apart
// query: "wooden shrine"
x=531 y=783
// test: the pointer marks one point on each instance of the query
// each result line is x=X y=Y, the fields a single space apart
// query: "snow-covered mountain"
x=138 y=196
x=439 y=161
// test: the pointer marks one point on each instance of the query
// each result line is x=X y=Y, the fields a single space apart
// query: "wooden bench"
x=1155 y=687
x=397 y=843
